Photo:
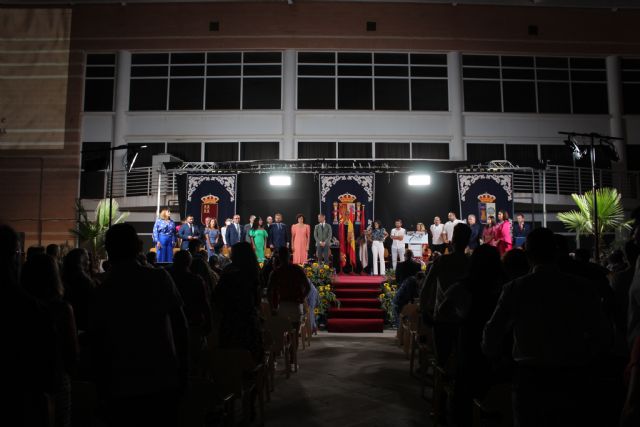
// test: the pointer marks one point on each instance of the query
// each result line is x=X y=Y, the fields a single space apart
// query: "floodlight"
x=419 y=180
x=280 y=180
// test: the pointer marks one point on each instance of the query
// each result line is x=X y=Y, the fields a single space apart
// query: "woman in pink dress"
x=489 y=232
x=503 y=233
x=300 y=237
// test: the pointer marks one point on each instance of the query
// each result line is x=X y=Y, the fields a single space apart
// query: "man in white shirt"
x=447 y=236
x=397 y=247
x=437 y=229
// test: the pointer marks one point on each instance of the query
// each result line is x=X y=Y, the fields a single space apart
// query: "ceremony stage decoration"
x=321 y=276
x=347 y=200
x=211 y=196
x=484 y=194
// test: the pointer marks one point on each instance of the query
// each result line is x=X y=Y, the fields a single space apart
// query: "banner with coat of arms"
x=484 y=194
x=212 y=196
x=347 y=200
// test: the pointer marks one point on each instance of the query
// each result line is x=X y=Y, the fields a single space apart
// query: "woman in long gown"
x=258 y=238
x=300 y=236
x=164 y=236
x=489 y=232
x=503 y=233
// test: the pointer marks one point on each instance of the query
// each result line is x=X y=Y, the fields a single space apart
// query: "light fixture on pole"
x=280 y=180
x=415 y=180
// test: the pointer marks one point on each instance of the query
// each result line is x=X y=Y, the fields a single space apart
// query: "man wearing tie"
x=235 y=232
x=323 y=234
x=279 y=234
x=188 y=232
x=248 y=227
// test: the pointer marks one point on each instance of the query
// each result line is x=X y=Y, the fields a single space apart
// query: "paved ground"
x=349 y=380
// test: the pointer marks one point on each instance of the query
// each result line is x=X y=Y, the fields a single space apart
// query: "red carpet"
x=359 y=306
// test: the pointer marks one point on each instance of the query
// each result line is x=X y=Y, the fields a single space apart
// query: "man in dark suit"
x=247 y=228
x=188 y=232
x=279 y=234
x=235 y=231
x=521 y=230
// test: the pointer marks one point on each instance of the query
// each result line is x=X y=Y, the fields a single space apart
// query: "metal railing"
x=558 y=180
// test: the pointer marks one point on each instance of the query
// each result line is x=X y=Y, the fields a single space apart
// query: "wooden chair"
x=280 y=330
x=496 y=405
x=202 y=401
x=443 y=386
x=409 y=317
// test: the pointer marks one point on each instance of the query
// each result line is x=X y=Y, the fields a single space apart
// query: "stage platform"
x=359 y=305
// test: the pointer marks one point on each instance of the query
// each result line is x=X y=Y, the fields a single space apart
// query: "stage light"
x=280 y=180
x=415 y=180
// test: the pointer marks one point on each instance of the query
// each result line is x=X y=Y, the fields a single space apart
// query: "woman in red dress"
x=489 y=232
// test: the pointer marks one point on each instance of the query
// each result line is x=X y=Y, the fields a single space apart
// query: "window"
x=428 y=150
x=523 y=84
x=556 y=155
x=220 y=151
x=259 y=150
x=354 y=150
x=393 y=150
x=482 y=153
x=145 y=155
x=186 y=151
x=633 y=157
x=316 y=150
x=99 y=82
x=522 y=155
x=95 y=161
x=372 y=81
x=206 y=80
x=631 y=86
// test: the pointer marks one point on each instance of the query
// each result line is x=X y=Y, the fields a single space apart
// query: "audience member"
x=515 y=263
x=138 y=332
x=78 y=285
x=152 y=259
x=34 y=250
x=28 y=353
x=558 y=330
x=237 y=302
x=41 y=279
x=407 y=268
x=631 y=411
x=407 y=292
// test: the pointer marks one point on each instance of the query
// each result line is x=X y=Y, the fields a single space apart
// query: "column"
x=121 y=106
x=616 y=124
x=288 y=149
x=454 y=70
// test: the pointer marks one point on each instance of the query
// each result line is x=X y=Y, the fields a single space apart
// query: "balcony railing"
x=558 y=180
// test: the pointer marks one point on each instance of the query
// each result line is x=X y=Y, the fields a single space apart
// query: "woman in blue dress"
x=164 y=236
x=212 y=236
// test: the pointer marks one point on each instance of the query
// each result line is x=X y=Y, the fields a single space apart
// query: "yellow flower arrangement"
x=315 y=265
x=326 y=267
x=381 y=296
x=321 y=294
x=316 y=311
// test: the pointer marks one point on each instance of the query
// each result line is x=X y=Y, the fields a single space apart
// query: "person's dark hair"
x=74 y=263
x=377 y=221
x=152 y=257
x=520 y=214
x=106 y=265
x=283 y=254
x=485 y=263
x=121 y=242
x=41 y=278
x=461 y=236
x=408 y=254
x=617 y=257
x=34 y=250
x=515 y=263
x=9 y=244
x=582 y=254
x=182 y=260
x=398 y=220
x=194 y=246
x=561 y=245
x=244 y=258
x=213 y=261
x=256 y=223
x=505 y=215
x=541 y=246
x=142 y=259
x=53 y=250
x=298 y=216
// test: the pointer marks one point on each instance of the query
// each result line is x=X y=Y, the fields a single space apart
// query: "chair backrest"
x=228 y=369
x=277 y=327
x=410 y=313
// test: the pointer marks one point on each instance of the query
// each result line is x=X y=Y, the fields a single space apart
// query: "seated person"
x=407 y=292
x=407 y=268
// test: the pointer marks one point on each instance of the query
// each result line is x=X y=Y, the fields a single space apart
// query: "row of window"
x=360 y=81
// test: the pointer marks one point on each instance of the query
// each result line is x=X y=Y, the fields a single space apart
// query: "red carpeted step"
x=356 y=313
x=359 y=302
x=355 y=325
x=346 y=279
x=356 y=293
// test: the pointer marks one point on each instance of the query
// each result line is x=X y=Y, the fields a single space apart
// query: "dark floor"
x=349 y=380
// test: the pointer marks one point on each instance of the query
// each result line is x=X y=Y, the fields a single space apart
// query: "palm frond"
x=610 y=212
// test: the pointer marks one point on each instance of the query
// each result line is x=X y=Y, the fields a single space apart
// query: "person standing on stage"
x=323 y=235
x=269 y=222
x=418 y=248
x=520 y=231
x=164 y=236
x=437 y=229
x=279 y=233
x=397 y=247
x=448 y=230
x=503 y=233
x=476 y=232
x=212 y=236
x=248 y=227
x=258 y=236
x=188 y=232
x=223 y=231
x=489 y=232
x=378 y=236
x=235 y=231
x=300 y=238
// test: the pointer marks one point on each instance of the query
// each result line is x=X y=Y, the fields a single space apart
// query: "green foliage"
x=610 y=213
x=387 y=293
x=91 y=234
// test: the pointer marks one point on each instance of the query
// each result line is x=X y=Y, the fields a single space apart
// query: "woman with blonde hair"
x=164 y=236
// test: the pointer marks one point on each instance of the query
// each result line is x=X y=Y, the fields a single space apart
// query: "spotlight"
x=419 y=180
x=575 y=149
x=280 y=180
